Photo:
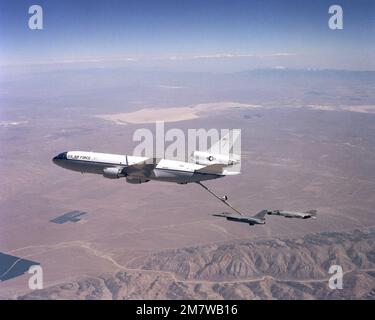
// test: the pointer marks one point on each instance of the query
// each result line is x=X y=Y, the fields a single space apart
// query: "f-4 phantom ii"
x=294 y=214
x=259 y=218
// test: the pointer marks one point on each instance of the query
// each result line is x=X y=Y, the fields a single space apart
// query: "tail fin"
x=229 y=143
x=312 y=212
x=261 y=214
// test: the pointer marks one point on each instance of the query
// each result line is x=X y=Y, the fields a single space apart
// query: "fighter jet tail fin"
x=261 y=214
x=312 y=212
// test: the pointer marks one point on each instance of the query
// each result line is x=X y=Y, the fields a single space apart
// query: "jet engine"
x=206 y=158
x=112 y=173
x=136 y=180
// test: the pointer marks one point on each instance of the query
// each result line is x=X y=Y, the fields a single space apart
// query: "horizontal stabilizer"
x=216 y=168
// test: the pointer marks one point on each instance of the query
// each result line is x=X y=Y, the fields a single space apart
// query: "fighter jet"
x=294 y=214
x=259 y=218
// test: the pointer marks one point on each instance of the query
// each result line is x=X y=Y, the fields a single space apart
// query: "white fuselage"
x=163 y=170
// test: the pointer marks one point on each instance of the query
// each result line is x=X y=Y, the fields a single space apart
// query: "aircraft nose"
x=59 y=157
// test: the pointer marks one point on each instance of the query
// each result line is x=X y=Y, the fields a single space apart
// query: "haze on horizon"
x=225 y=36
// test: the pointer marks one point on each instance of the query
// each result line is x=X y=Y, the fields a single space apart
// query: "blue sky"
x=242 y=34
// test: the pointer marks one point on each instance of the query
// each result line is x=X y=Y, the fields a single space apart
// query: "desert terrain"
x=307 y=143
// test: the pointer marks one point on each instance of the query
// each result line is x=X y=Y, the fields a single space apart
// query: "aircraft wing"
x=216 y=168
x=261 y=214
x=143 y=168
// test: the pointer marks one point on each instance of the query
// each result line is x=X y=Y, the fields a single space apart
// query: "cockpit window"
x=61 y=155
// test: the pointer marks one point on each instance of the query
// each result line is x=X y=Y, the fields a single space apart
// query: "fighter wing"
x=216 y=168
x=238 y=218
x=261 y=214
x=143 y=168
